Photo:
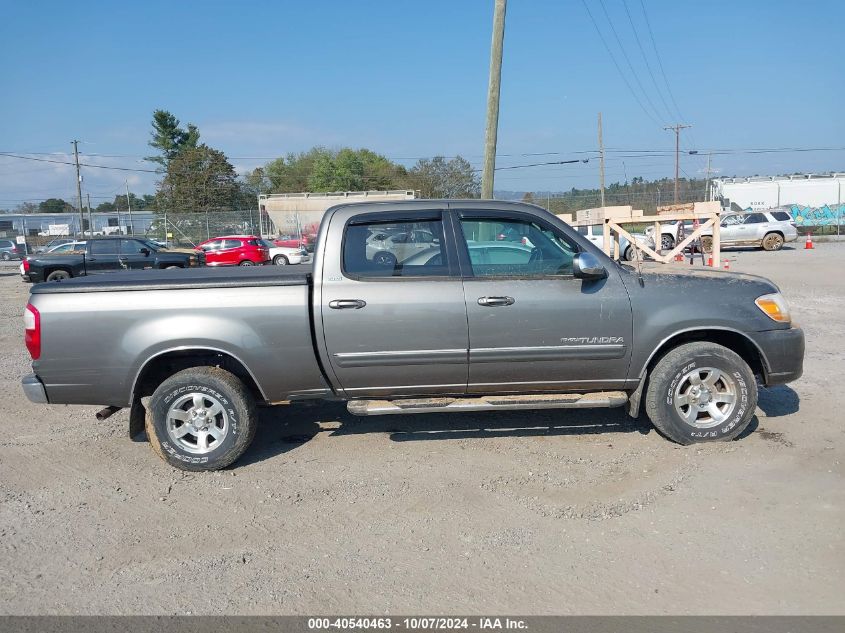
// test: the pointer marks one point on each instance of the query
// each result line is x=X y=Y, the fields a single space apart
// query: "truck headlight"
x=775 y=307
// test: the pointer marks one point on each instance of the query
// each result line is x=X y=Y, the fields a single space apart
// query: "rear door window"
x=231 y=244
x=390 y=249
x=755 y=218
x=104 y=247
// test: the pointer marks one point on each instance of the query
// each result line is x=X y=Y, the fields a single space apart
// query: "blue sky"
x=409 y=79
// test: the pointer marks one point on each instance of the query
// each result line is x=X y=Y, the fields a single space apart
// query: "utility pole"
x=677 y=129
x=493 y=91
x=601 y=163
x=129 y=206
x=90 y=220
x=78 y=186
x=707 y=180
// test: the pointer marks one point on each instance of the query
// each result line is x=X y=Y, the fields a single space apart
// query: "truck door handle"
x=346 y=304
x=491 y=302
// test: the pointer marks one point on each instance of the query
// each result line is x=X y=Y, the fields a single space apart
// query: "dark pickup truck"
x=106 y=255
x=501 y=307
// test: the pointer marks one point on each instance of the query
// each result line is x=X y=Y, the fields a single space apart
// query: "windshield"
x=152 y=245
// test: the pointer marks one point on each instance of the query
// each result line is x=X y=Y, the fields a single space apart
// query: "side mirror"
x=588 y=266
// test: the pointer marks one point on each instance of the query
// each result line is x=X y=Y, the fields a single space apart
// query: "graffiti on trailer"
x=818 y=216
x=827 y=215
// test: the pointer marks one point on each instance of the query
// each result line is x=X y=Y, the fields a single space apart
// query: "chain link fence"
x=191 y=228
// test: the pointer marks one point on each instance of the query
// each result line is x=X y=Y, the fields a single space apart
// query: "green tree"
x=199 y=179
x=441 y=178
x=292 y=172
x=169 y=138
x=321 y=170
x=54 y=205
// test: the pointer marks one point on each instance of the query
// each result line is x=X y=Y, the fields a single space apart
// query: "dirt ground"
x=516 y=513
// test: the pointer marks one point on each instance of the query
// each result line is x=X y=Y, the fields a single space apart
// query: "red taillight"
x=26 y=265
x=32 y=331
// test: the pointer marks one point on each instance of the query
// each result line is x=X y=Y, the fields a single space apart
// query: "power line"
x=660 y=63
x=613 y=59
x=645 y=58
x=62 y=162
x=627 y=59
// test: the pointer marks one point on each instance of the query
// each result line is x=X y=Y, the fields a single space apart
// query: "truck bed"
x=99 y=332
x=177 y=279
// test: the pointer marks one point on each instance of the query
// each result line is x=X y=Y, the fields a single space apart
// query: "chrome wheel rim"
x=666 y=243
x=197 y=423
x=705 y=397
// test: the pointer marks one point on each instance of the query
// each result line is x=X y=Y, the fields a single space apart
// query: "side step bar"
x=599 y=399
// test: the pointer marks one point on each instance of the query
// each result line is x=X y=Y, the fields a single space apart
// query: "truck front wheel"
x=701 y=392
x=201 y=418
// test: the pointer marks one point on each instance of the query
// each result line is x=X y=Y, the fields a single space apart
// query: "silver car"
x=595 y=233
x=769 y=230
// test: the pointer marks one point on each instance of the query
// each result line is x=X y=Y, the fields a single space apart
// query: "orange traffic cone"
x=808 y=245
x=727 y=265
x=710 y=261
x=679 y=257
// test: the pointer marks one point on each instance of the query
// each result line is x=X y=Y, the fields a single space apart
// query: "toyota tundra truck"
x=462 y=321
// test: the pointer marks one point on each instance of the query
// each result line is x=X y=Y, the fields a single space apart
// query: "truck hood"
x=183 y=251
x=679 y=278
x=673 y=299
x=701 y=283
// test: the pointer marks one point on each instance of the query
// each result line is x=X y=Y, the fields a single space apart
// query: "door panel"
x=398 y=328
x=533 y=326
x=132 y=257
x=103 y=256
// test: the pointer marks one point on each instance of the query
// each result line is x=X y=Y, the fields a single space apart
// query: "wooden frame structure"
x=612 y=229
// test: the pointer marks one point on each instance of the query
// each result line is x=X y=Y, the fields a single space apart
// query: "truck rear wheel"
x=202 y=418
x=58 y=275
x=701 y=392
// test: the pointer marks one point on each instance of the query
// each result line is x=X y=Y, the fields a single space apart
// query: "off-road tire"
x=667 y=242
x=58 y=275
x=280 y=260
x=772 y=242
x=225 y=387
x=660 y=392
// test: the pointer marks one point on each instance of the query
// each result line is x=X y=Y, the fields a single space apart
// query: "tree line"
x=198 y=178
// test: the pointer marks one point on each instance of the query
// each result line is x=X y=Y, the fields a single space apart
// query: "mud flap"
x=634 y=398
x=136 y=420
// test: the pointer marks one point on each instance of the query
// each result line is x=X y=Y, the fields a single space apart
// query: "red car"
x=291 y=241
x=235 y=250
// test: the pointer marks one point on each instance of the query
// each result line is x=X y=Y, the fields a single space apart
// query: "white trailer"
x=299 y=214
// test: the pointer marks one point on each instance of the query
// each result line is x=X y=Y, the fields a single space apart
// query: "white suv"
x=767 y=229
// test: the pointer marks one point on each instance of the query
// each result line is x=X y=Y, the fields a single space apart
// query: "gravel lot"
x=531 y=513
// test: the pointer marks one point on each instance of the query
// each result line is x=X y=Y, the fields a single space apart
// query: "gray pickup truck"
x=496 y=306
